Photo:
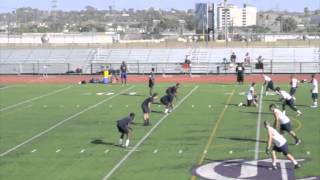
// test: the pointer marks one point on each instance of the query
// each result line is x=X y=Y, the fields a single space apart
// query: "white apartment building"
x=235 y=16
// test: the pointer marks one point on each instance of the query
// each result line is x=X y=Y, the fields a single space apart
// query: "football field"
x=69 y=132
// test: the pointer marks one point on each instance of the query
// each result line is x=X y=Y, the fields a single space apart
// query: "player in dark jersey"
x=123 y=73
x=167 y=100
x=240 y=73
x=173 y=90
x=124 y=128
x=151 y=81
x=146 y=108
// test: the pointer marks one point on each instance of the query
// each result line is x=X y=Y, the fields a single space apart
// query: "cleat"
x=299 y=114
x=240 y=104
x=298 y=142
x=313 y=106
x=274 y=167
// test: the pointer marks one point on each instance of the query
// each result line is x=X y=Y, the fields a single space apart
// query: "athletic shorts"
x=164 y=101
x=314 y=95
x=145 y=109
x=249 y=102
x=240 y=78
x=122 y=129
x=151 y=84
x=292 y=90
x=270 y=86
x=124 y=75
x=290 y=102
x=285 y=127
x=283 y=149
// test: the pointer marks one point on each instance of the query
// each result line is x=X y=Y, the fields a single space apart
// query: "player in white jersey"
x=268 y=81
x=294 y=85
x=283 y=121
x=314 y=91
x=287 y=100
x=279 y=145
x=251 y=97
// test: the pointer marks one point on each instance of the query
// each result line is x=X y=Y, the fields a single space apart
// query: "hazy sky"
x=291 y=5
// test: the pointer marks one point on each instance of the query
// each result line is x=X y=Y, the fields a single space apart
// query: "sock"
x=120 y=141
x=166 y=110
x=127 y=142
x=315 y=103
x=299 y=111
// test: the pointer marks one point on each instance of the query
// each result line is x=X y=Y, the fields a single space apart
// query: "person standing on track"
x=151 y=81
x=123 y=73
x=278 y=144
x=146 y=108
x=240 y=73
x=314 y=91
x=124 y=128
x=268 y=81
x=287 y=100
x=283 y=121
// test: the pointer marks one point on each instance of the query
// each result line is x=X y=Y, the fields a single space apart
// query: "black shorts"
x=285 y=127
x=289 y=102
x=249 y=102
x=314 y=95
x=145 y=109
x=122 y=129
x=151 y=84
x=292 y=90
x=283 y=149
x=270 y=86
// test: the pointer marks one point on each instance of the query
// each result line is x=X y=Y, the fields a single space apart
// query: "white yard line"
x=62 y=122
x=35 y=98
x=256 y=155
x=145 y=137
x=251 y=169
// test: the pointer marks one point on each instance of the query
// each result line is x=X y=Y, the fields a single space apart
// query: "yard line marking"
x=82 y=151
x=180 y=151
x=146 y=136
x=58 y=150
x=155 y=151
x=256 y=155
x=63 y=121
x=251 y=169
x=213 y=132
x=35 y=98
x=106 y=151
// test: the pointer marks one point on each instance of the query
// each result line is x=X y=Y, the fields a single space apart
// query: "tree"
x=289 y=25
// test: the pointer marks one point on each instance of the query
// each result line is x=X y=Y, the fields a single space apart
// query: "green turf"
x=186 y=130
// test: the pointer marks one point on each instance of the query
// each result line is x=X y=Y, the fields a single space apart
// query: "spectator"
x=233 y=57
x=240 y=73
x=247 y=59
x=259 y=65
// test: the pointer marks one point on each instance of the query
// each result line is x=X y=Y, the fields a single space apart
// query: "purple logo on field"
x=244 y=169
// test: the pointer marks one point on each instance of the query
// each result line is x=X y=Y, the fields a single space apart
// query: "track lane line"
x=213 y=132
x=146 y=136
x=62 y=122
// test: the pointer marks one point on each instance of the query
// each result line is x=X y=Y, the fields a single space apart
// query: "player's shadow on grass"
x=232 y=104
x=159 y=112
x=271 y=100
x=302 y=105
x=99 y=141
x=243 y=139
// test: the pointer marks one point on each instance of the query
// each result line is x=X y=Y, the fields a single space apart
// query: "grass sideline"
x=84 y=147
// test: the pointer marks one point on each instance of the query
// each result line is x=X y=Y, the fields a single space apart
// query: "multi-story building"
x=235 y=16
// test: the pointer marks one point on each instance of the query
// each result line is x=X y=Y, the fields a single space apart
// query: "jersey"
x=277 y=139
x=285 y=95
x=151 y=77
x=172 y=90
x=314 y=86
x=266 y=78
x=294 y=82
x=123 y=68
x=250 y=93
x=167 y=98
x=282 y=117
x=124 y=122
x=147 y=101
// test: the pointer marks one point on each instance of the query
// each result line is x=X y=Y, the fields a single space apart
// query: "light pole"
x=225 y=22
